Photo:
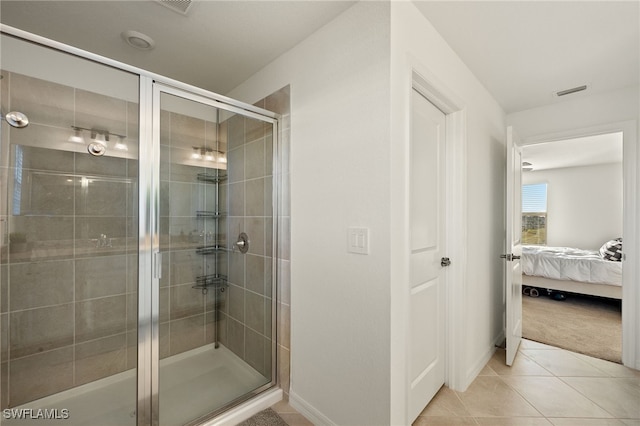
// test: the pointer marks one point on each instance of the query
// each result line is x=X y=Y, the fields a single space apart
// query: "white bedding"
x=565 y=263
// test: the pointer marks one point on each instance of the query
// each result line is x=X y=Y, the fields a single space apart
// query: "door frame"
x=455 y=225
x=631 y=226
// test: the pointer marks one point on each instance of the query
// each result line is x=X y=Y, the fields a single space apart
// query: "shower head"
x=17 y=119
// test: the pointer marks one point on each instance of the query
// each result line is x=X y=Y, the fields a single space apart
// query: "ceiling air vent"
x=572 y=90
x=180 y=6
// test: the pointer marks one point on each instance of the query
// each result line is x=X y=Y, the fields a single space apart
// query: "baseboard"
x=479 y=365
x=244 y=411
x=309 y=411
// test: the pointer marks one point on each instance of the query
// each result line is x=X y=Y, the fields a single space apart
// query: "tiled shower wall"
x=187 y=315
x=68 y=308
x=245 y=321
x=68 y=304
x=280 y=103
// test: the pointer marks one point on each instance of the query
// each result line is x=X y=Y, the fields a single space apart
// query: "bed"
x=571 y=270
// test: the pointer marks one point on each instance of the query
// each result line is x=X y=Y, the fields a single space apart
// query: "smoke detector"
x=138 y=40
x=179 y=6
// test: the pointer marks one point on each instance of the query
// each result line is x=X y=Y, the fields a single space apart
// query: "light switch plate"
x=358 y=240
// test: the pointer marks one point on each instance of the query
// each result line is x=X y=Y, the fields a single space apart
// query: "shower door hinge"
x=157 y=265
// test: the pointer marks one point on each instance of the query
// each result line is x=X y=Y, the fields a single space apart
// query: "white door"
x=427 y=275
x=513 y=267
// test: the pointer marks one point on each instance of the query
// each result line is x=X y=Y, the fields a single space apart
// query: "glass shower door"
x=68 y=239
x=214 y=234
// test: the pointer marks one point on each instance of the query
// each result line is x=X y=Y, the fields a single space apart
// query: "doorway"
x=573 y=207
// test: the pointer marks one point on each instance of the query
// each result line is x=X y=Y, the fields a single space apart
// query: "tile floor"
x=545 y=386
x=290 y=415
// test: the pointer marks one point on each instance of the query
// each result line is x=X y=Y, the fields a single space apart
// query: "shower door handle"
x=157 y=265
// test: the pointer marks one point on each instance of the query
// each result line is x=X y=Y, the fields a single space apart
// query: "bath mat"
x=266 y=417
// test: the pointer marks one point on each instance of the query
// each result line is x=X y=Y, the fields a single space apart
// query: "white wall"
x=582 y=112
x=584 y=204
x=349 y=82
x=339 y=178
x=415 y=45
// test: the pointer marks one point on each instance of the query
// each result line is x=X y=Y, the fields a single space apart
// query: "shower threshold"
x=192 y=384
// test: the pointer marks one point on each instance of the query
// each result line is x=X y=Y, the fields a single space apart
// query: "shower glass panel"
x=68 y=239
x=215 y=236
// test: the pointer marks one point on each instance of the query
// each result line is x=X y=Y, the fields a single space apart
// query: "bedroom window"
x=534 y=214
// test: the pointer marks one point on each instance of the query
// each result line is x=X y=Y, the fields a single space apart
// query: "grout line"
x=578 y=391
x=522 y=396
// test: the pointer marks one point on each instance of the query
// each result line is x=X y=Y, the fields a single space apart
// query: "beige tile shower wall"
x=67 y=307
x=247 y=316
x=245 y=322
x=187 y=316
x=280 y=102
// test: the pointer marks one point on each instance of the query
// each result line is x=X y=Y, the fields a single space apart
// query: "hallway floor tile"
x=545 y=386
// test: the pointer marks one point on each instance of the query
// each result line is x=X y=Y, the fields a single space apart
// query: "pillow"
x=612 y=250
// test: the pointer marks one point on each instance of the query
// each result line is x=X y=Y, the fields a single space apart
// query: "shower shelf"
x=212 y=214
x=216 y=248
x=214 y=280
x=211 y=245
x=212 y=177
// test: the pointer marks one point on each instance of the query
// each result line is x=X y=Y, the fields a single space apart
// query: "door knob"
x=509 y=256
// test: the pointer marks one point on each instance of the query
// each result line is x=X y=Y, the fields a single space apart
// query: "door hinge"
x=445 y=261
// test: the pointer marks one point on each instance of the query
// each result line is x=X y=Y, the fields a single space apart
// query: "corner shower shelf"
x=216 y=248
x=212 y=246
x=216 y=281
x=212 y=177
x=211 y=214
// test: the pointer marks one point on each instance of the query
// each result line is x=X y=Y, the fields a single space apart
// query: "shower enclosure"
x=137 y=245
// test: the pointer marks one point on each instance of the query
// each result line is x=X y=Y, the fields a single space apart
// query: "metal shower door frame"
x=150 y=261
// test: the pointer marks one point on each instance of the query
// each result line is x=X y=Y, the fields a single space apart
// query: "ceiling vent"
x=570 y=91
x=180 y=6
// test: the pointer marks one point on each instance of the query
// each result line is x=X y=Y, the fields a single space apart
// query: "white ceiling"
x=522 y=51
x=216 y=46
x=585 y=151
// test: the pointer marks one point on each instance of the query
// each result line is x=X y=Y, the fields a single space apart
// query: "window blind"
x=534 y=198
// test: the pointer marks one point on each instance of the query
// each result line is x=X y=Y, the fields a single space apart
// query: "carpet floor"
x=583 y=324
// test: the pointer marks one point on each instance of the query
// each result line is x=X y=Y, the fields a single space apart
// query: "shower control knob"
x=242 y=243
